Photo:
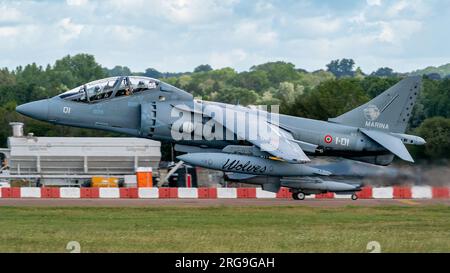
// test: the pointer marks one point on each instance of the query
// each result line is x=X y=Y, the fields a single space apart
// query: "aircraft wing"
x=269 y=137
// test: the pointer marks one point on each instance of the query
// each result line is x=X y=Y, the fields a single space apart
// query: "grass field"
x=225 y=229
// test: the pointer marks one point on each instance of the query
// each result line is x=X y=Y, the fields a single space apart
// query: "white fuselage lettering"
x=379 y=125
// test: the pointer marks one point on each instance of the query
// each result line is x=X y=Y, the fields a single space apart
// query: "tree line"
x=319 y=94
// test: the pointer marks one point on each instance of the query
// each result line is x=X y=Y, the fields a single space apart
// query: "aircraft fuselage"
x=150 y=115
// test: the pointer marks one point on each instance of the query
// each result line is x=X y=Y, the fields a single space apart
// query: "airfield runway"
x=218 y=202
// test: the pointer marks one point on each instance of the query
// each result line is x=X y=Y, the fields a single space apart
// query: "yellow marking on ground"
x=408 y=202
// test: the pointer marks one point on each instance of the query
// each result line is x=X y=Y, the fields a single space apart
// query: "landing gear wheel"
x=301 y=196
x=354 y=196
x=298 y=196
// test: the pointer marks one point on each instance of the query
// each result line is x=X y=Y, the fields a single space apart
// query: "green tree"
x=342 y=68
x=436 y=97
x=6 y=77
x=255 y=80
x=203 y=68
x=384 y=72
x=79 y=69
x=235 y=95
x=359 y=74
x=278 y=72
x=153 y=73
x=329 y=99
x=286 y=93
x=33 y=82
x=118 y=71
x=374 y=86
x=436 y=132
x=311 y=80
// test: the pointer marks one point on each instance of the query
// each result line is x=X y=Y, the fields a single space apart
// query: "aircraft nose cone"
x=36 y=109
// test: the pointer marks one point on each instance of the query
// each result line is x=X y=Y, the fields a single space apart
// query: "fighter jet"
x=250 y=144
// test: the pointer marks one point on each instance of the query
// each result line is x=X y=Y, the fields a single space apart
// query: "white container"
x=144 y=170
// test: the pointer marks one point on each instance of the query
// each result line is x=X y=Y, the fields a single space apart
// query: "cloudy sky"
x=177 y=35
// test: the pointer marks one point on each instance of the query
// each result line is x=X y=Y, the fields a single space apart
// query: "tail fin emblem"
x=371 y=112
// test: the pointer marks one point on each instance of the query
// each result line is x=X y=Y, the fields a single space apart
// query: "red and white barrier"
x=260 y=193
x=109 y=193
x=227 y=193
x=396 y=192
x=421 y=192
x=147 y=193
x=342 y=196
x=187 y=193
x=28 y=192
x=383 y=193
x=69 y=193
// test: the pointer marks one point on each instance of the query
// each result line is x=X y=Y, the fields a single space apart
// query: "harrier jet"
x=249 y=144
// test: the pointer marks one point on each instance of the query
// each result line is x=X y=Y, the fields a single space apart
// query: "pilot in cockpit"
x=128 y=87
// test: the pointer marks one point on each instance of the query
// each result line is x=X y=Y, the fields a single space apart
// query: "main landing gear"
x=354 y=196
x=298 y=195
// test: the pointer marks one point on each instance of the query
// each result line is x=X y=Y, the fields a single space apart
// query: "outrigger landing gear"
x=354 y=196
x=298 y=195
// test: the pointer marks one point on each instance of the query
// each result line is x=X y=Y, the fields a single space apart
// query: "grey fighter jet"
x=250 y=144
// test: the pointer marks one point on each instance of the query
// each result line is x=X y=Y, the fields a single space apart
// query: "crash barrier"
x=395 y=192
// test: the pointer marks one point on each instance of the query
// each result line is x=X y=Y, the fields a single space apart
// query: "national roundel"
x=328 y=139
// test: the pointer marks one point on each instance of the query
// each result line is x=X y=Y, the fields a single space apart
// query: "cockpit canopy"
x=110 y=88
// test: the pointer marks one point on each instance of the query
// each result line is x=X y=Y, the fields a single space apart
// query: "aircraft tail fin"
x=389 y=112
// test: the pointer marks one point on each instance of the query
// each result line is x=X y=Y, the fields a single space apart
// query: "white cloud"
x=397 y=8
x=19 y=37
x=226 y=59
x=192 y=11
x=387 y=33
x=224 y=33
x=126 y=34
x=397 y=31
x=76 y=2
x=264 y=7
x=68 y=29
x=319 y=25
x=253 y=33
x=177 y=11
x=373 y=2
x=6 y=32
x=129 y=5
x=10 y=14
